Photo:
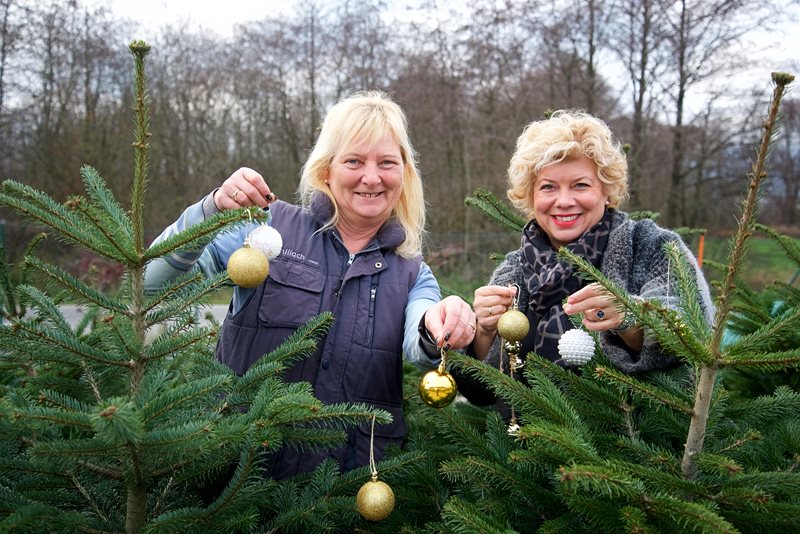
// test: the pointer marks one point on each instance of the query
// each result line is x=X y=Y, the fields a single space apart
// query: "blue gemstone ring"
x=600 y=314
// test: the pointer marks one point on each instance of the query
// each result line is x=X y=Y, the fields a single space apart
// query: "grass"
x=765 y=262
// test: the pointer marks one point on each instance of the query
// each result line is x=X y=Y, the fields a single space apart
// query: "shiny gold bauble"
x=375 y=500
x=437 y=388
x=513 y=325
x=248 y=267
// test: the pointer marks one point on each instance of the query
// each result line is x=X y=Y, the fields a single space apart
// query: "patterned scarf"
x=549 y=281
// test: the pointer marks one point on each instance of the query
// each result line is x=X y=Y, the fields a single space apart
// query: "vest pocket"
x=292 y=294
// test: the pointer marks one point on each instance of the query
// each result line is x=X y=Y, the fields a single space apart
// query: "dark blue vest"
x=361 y=358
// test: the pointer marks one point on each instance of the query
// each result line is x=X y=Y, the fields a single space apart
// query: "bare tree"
x=698 y=33
x=637 y=42
x=785 y=186
x=12 y=16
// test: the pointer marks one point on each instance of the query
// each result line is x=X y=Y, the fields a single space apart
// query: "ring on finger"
x=489 y=309
x=235 y=194
x=471 y=327
x=600 y=314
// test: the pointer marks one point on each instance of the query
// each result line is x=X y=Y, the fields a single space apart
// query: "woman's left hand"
x=600 y=311
x=451 y=322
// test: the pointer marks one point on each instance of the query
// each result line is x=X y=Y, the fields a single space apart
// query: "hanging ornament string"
x=375 y=499
x=372 y=467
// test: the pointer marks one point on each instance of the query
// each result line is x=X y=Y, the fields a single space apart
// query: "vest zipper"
x=373 y=291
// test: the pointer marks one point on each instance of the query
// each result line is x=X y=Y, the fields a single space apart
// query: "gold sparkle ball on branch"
x=375 y=500
x=513 y=325
x=248 y=267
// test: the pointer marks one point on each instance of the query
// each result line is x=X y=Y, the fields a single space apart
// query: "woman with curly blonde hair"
x=569 y=176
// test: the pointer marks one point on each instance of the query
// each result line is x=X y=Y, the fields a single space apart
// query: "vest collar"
x=391 y=235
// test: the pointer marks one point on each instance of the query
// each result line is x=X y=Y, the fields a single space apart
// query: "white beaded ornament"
x=266 y=239
x=576 y=347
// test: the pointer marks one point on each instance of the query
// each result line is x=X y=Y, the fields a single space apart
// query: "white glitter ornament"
x=266 y=239
x=576 y=347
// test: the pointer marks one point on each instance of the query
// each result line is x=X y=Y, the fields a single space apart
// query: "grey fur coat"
x=635 y=259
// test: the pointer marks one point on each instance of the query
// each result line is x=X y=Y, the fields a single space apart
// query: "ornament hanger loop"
x=515 y=301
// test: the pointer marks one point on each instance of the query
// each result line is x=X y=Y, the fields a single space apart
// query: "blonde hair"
x=567 y=134
x=367 y=117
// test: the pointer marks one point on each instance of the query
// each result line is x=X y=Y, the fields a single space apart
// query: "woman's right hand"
x=243 y=188
x=489 y=304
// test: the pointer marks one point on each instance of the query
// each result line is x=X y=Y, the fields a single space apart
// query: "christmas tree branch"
x=199 y=235
x=70 y=345
x=76 y=286
x=182 y=394
x=788 y=244
x=562 y=443
x=643 y=389
x=173 y=289
x=8 y=305
x=704 y=388
x=772 y=334
x=112 y=213
x=172 y=344
x=767 y=362
x=87 y=496
x=42 y=209
x=197 y=292
x=101 y=470
x=100 y=225
x=667 y=324
x=500 y=212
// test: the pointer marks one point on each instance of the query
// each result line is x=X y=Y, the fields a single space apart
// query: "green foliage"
x=497 y=210
x=603 y=451
x=127 y=422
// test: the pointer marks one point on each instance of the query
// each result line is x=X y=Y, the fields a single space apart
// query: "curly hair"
x=366 y=117
x=565 y=135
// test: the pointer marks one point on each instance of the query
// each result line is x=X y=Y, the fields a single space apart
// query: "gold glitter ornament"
x=375 y=500
x=248 y=267
x=438 y=387
x=513 y=325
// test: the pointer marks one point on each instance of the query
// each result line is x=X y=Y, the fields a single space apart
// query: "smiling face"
x=366 y=181
x=568 y=199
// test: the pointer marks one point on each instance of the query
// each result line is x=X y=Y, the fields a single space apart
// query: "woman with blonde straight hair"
x=368 y=117
x=352 y=248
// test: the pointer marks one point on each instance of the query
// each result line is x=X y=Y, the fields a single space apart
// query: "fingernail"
x=446 y=347
x=447 y=336
x=270 y=197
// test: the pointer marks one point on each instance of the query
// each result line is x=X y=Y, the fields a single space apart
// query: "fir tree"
x=106 y=429
x=666 y=452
